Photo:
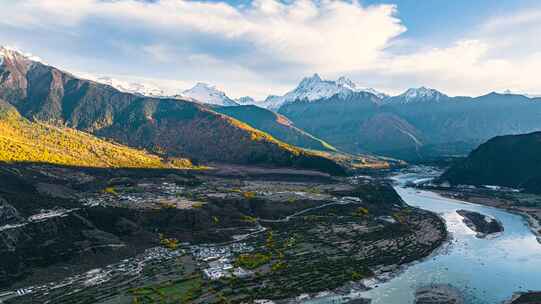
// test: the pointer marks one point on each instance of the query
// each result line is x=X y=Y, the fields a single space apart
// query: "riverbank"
x=497 y=199
x=484 y=270
x=386 y=274
x=353 y=292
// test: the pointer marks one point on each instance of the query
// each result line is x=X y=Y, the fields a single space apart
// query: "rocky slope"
x=512 y=161
x=176 y=128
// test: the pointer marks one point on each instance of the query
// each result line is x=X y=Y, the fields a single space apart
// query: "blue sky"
x=441 y=20
x=265 y=47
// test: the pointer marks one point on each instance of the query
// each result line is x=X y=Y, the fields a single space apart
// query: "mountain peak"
x=422 y=94
x=143 y=89
x=308 y=81
x=206 y=93
x=10 y=53
x=378 y=94
x=246 y=100
x=315 y=88
x=346 y=82
x=204 y=85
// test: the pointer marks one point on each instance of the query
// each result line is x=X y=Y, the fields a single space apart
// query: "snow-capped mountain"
x=314 y=88
x=7 y=53
x=246 y=100
x=209 y=94
x=3 y=54
x=421 y=94
x=379 y=94
x=345 y=83
x=273 y=102
x=133 y=87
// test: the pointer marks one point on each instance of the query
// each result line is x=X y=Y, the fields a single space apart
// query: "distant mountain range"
x=133 y=87
x=173 y=127
x=419 y=124
x=413 y=95
x=511 y=161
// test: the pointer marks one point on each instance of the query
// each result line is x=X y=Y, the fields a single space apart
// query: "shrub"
x=248 y=195
x=252 y=261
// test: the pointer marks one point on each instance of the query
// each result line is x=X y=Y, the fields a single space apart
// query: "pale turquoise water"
x=486 y=270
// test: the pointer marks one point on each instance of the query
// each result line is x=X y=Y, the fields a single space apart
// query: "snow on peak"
x=206 y=93
x=273 y=102
x=315 y=88
x=307 y=82
x=379 y=94
x=246 y=100
x=346 y=83
x=422 y=94
x=143 y=89
x=10 y=53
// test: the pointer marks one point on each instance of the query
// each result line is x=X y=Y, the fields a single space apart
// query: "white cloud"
x=159 y=52
x=266 y=46
x=504 y=53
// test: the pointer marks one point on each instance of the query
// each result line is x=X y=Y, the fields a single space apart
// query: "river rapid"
x=487 y=271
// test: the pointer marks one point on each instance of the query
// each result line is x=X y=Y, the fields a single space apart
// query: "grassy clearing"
x=178 y=291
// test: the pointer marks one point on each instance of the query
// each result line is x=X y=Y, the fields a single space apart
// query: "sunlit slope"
x=25 y=141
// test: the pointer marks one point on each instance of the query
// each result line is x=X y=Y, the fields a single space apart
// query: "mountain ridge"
x=276 y=125
x=174 y=127
x=24 y=141
x=209 y=94
x=511 y=160
x=427 y=125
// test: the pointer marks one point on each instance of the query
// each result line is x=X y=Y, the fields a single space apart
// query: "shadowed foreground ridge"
x=512 y=161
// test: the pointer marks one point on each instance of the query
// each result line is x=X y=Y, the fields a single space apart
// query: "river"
x=487 y=271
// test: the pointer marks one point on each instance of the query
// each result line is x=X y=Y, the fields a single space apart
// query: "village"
x=142 y=196
x=132 y=267
x=218 y=261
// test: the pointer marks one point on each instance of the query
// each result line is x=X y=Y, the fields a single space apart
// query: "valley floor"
x=229 y=235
